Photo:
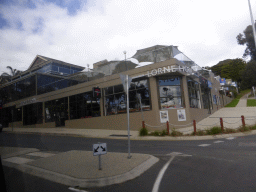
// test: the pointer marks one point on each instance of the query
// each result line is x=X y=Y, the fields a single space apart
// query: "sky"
x=84 y=32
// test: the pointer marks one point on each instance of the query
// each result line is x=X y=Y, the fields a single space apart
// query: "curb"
x=146 y=138
x=71 y=181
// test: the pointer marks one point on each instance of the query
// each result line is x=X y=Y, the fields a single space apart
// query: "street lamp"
x=125 y=60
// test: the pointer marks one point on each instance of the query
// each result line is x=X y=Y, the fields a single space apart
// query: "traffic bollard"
x=194 y=123
x=243 y=122
x=221 y=124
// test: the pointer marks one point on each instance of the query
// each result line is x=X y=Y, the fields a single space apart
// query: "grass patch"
x=251 y=103
x=233 y=103
x=244 y=128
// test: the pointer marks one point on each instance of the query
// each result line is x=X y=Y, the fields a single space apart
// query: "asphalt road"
x=213 y=165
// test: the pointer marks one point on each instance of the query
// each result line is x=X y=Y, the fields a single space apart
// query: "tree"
x=247 y=39
x=248 y=75
x=6 y=77
x=230 y=69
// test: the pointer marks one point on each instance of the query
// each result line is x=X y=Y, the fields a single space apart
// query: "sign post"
x=98 y=150
x=126 y=80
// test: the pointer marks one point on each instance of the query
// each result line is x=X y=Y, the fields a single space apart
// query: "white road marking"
x=230 y=138
x=160 y=175
x=204 y=145
x=41 y=154
x=174 y=154
x=74 y=189
x=18 y=160
x=218 y=141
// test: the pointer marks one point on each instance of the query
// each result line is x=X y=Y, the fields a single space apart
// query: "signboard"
x=169 y=69
x=222 y=81
x=99 y=149
x=164 y=116
x=181 y=115
x=96 y=92
x=27 y=102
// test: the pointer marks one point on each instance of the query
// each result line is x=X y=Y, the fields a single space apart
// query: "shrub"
x=176 y=133
x=143 y=132
x=163 y=133
x=253 y=127
x=243 y=128
x=214 y=131
x=227 y=130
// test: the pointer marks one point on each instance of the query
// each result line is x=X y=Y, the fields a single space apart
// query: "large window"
x=84 y=106
x=33 y=114
x=47 y=83
x=193 y=93
x=170 y=92
x=56 y=110
x=115 y=98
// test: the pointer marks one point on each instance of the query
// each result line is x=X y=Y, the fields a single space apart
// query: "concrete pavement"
x=77 y=168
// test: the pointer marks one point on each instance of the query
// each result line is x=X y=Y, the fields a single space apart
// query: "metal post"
x=243 y=122
x=100 y=162
x=221 y=124
x=168 y=130
x=143 y=124
x=194 y=123
x=128 y=119
x=253 y=27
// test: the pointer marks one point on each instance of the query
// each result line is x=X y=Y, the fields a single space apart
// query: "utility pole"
x=253 y=26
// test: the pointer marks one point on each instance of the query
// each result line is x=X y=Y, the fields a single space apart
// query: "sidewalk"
x=77 y=168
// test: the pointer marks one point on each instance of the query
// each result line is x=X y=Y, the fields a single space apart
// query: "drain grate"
x=119 y=135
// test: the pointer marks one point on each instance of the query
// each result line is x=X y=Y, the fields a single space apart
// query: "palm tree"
x=6 y=77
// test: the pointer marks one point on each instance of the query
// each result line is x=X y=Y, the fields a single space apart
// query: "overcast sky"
x=84 y=32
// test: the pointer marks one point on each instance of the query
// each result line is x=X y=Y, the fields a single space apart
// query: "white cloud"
x=204 y=30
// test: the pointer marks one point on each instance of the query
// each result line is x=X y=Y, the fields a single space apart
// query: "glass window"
x=194 y=94
x=115 y=102
x=84 y=106
x=170 y=92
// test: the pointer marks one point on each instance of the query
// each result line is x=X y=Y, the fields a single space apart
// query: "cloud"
x=84 y=33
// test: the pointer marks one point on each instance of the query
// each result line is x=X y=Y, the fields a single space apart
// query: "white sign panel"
x=164 y=116
x=181 y=115
x=99 y=149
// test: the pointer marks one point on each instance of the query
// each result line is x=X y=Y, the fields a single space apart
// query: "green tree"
x=247 y=39
x=230 y=69
x=248 y=75
x=6 y=77
x=216 y=69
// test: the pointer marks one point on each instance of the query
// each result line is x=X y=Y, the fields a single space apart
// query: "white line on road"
x=230 y=138
x=218 y=141
x=160 y=175
x=204 y=145
x=74 y=189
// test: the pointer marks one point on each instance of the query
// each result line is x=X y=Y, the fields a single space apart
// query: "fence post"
x=221 y=124
x=167 y=124
x=243 y=122
x=143 y=124
x=194 y=123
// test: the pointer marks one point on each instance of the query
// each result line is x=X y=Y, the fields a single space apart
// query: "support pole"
x=143 y=124
x=243 y=122
x=221 y=124
x=194 y=123
x=167 y=125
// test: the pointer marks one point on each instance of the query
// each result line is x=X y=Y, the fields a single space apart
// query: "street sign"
x=99 y=149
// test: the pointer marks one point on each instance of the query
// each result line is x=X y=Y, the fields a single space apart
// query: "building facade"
x=53 y=93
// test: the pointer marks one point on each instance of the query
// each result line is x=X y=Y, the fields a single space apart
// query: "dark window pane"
x=118 y=88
